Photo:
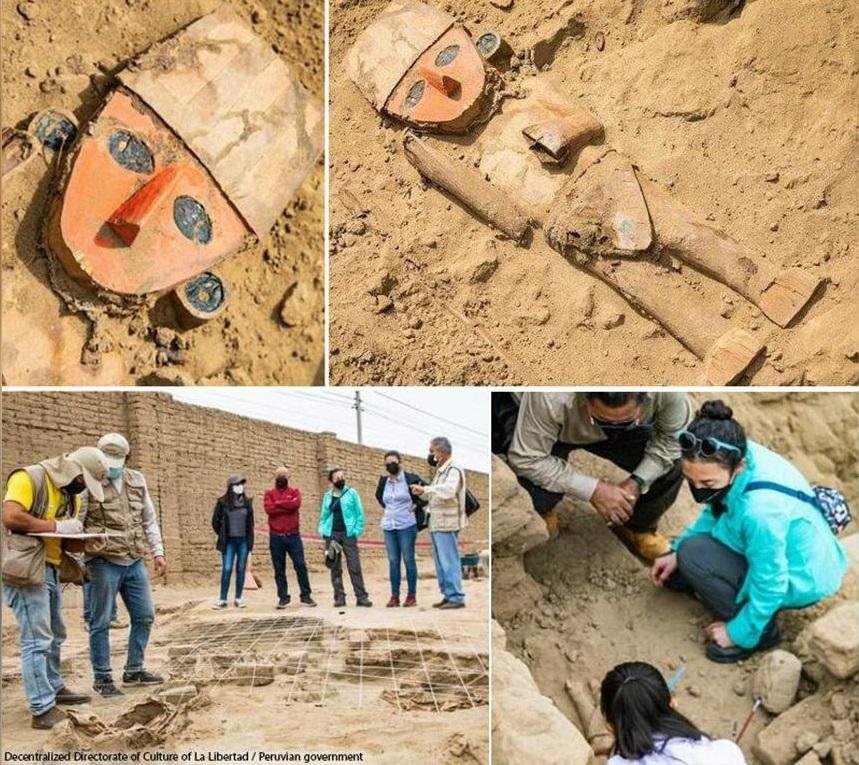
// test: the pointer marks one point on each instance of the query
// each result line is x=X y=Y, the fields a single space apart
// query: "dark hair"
x=617 y=399
x=636 y=702
x=393 y=453
x=332 y=471
x=715 y=419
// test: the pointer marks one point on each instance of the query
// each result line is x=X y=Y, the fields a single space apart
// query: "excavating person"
x=636 y=431
x=127 y=512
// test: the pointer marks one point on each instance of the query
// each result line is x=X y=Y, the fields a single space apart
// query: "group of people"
x=409 y=504
x=765 y=539
x=89 y=491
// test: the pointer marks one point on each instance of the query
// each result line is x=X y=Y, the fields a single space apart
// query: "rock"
x=299 y=302
x=810 y=758
x=834 y=640
x=357 y=638
x=164 y=337
x=516 y=526
x=599 y=41
x=524 y=721
x=382 y=285
x=543 y=52
x=28 y=10
x=504 y=5
x=613 y=320
x=484 y=270
x=383 y=304
x=252 y=673
x=807 y=740
x=777 y=680
x=259 y=15
x=776 y=744
x=179 y=694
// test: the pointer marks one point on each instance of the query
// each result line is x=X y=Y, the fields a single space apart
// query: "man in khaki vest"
x=40 y=498
x=127 y=513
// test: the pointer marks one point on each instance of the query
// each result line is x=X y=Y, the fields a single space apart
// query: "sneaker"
x=339 y=604
x=47 y=720
x=106 y=689
x=66 y=696
x=440 y=603
x=283 y=603
x=240 y=603
x=394 y=602
x=308 y=601
x=647 y=545
x=451 y=604
x=364 y=602
x=118 y=624
x=410 y=601
x=219 y=605
x=141 y=677
x=716 y=653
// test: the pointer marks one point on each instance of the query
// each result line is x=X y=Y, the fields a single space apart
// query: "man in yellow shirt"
x=39 y=498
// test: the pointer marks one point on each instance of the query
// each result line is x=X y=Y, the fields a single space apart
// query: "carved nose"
x=127 y=220
x=441 y=82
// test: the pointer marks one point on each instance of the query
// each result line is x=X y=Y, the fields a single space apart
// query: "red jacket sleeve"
x=292 y=502
x=281 y=505
x=269 y=503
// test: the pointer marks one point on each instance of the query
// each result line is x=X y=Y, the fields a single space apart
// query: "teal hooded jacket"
x=353 y=513
x=794 y=558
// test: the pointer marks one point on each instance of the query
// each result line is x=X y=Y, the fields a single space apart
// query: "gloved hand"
x=69 y=526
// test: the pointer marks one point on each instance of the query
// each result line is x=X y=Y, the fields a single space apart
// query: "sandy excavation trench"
x=571 y=608
x=271 y=331
x=745 y=119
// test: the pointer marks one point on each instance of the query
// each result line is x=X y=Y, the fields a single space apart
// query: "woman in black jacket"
x=401 y=519
x=233 y=522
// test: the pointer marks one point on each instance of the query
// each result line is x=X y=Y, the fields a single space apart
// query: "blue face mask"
x=114 y=472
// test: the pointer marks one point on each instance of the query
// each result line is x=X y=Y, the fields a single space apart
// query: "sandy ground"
x=272 y=331
x=748 y=121
x=297 y=713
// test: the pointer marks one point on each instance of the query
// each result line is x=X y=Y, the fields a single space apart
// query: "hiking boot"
x=338 y=603
x=364 y=602
x=440 y=603
x=735 y=653
x=66 y=696
x=47 y=720
x=410 y=601
x=240 y=603
x=394 y=602
x=219 y=605
x=551 y=521
x=308 y=601
x=647 y=545
x=106 y=689
x=450 y=604
x=141 y=677
x=118 y=624
x=283 y=603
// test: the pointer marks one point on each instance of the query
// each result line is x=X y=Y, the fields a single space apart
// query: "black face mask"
x=339 y=484
x=75 y=487
x=610 y=425
x=706 y=495
x=281 y=483
x=392 y=467
x=431 y=460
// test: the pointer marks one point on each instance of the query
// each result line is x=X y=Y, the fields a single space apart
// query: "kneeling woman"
x=760 y=545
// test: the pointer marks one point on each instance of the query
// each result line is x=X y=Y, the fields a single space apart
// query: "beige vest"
x=448 y=514
x=122 y=513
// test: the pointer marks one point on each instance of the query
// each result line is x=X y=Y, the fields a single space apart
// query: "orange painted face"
x=139 y=213
x=444 y=87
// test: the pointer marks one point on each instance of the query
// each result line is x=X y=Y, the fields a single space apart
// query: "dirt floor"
x=748 y=119
x=394 y=684
x=593 y=605
x=272 y=331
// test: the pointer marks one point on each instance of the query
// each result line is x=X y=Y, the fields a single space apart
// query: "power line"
x=431 y=414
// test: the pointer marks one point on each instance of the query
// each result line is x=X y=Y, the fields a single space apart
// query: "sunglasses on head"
x=707 y=447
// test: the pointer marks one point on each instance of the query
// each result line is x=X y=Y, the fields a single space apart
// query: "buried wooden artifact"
x=197 y=151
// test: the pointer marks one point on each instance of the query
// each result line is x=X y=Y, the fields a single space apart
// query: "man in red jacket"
x=282 y=503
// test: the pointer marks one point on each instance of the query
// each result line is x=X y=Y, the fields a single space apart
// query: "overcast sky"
x=388 y=421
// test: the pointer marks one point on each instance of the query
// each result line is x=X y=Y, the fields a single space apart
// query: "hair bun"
x=716 y=409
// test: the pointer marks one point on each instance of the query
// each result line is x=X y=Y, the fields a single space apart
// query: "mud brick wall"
x=186 y=453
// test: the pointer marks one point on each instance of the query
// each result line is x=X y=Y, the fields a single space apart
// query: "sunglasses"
x=707 y=447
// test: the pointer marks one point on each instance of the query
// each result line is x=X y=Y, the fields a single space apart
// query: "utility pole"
x=358 y=407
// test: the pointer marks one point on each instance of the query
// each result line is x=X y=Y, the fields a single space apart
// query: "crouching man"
x=44 y=498
x=126 y=512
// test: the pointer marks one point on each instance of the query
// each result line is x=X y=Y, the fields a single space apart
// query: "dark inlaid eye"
x=447 y=55
x=192 y=219
x=55 y=131
x=130 y=152
x=416 y=93
x=205 y=292
x=488 y=43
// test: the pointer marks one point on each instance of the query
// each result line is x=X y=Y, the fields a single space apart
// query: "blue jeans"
x=37 y=610
x=87 y=588
x=132 y=584
x=235 y=554
x=448 y=569
x=400 y=544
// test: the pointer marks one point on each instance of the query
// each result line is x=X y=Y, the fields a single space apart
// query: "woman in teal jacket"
x=341 y=522
x=753 y=550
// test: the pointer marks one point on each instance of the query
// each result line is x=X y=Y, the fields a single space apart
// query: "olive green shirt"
x=547 y=418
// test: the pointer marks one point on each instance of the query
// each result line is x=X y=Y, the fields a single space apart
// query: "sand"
x=296 y=712
x=62 y=55
x=749 y=120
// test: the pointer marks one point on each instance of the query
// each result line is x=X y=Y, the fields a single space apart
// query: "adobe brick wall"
x=186 y=453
